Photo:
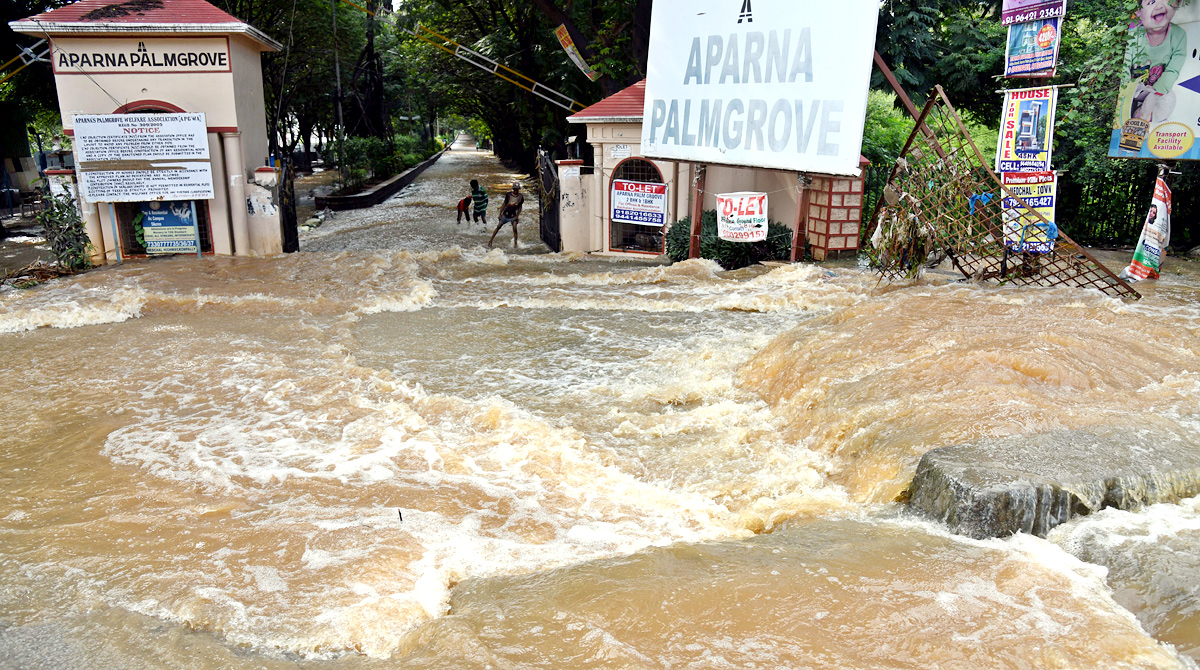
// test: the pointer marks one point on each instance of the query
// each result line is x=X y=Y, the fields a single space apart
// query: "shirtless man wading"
x=510 y=212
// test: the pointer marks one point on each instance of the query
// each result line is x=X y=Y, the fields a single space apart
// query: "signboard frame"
x=1039 y=192
x=742 y=216
x=73 y=61
x=165 y=241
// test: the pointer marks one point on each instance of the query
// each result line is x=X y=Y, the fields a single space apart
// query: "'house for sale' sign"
x=742 y=217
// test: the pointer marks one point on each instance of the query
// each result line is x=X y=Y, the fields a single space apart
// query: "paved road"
x=422 y=216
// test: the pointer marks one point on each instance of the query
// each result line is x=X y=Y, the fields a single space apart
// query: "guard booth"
x=185 y=79
x=593 y=217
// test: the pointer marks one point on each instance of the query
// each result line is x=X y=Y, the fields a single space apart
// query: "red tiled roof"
x=139 y=17
x=137 y=11
x=626 y=104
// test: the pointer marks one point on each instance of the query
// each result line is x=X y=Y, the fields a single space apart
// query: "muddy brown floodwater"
x=598 y=463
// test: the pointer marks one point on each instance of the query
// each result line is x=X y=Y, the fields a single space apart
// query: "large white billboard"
x=773 y=83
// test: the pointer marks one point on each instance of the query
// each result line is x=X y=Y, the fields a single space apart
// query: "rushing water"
x=401 y=449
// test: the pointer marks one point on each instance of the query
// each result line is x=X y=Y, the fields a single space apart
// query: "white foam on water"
x=68 y=306
x=410 y=300
x=1085 y=583
x=691 y=270
x=378 y=440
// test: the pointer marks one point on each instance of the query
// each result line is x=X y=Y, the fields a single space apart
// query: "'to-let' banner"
x=780 y=85
x=1158 y=105
x=639 y=202
x=742 y=217
x=1026 y=130
x=1156 y=235
x=1024 y=11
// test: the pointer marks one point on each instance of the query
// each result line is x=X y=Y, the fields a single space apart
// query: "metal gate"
x=548 y=217
x=287 y=207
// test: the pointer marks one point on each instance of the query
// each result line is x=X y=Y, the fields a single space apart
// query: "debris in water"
x=935 y=200
x=35 y=273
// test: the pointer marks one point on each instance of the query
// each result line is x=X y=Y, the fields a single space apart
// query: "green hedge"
x=730 y=255
x=372 y=157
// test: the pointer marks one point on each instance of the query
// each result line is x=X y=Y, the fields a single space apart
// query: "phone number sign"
x=639 y=203
x=1024 y=11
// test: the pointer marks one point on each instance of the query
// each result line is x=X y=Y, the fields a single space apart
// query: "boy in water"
x=510 y=212
x=464 y=209
x=1155 y=54
x=480 y=195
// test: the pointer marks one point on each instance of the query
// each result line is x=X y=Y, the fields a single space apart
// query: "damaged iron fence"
x=942 y=199
x=1099 y=209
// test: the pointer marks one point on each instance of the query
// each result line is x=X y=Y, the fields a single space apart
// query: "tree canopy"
x=392 y=82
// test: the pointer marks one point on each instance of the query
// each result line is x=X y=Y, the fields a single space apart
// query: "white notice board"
x=165 y=181
x=143 y=157
x=777 y=84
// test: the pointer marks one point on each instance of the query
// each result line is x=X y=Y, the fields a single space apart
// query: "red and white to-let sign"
x=742 y=217
x=639 y=202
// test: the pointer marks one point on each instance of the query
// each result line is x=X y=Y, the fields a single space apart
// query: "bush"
x=886 y=130
x=371 y=157
x=730 y=255
x=357 y=177
x=66 y=232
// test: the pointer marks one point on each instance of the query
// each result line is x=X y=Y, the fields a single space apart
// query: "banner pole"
x=196 y=227
x=800 y=234
x=112 y=218
x=697 y=210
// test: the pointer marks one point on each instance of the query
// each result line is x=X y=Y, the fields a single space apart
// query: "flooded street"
x=400 y=449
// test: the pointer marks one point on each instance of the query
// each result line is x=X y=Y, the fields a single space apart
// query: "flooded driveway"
x=401 y=449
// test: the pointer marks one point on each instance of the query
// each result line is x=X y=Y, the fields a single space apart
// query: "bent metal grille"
x=942 y=200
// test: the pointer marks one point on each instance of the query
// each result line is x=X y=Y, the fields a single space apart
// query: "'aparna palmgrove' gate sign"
x=782 y=84
x=132 y=55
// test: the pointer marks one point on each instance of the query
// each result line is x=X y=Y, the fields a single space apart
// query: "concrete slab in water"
x=1030 y=484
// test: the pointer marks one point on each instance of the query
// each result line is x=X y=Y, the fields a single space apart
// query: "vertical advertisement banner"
x=1032 y=49
x=1026 y=130
x=568 y=45
x=639 y=203
x=1024 y=232
x=1156 y=235
x=168 y=228
x=1158 y=104
x=742 y=217
x=1023 y=11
